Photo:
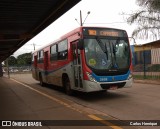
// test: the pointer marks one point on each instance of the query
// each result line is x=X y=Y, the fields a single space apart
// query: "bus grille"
x=109 y=86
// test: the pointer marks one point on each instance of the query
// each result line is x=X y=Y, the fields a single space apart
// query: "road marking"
x=48 y=96
x=69 y=106
x=104 y=122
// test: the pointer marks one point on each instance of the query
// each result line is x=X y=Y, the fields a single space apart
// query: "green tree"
x=24 y=59
x=12 y=61
x=148 y=19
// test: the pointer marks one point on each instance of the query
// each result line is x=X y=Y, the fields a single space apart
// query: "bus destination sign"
x=104 y=32
x=109 y=33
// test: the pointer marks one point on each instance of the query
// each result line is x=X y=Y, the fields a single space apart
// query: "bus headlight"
x=91 y=78
x=130 y=76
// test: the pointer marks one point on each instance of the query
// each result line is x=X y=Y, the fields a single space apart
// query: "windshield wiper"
x=114 y=53
x=103 y=47
x=106 y=51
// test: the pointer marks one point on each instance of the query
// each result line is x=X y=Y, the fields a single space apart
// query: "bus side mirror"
x=80 y=45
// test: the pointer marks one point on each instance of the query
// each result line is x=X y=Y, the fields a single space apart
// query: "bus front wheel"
x=67 y=86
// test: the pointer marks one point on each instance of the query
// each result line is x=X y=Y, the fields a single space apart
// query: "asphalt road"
x=141 y=102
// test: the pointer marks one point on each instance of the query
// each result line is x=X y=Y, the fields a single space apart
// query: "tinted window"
x=40 y=56
x=54 y=52
x=62 y=50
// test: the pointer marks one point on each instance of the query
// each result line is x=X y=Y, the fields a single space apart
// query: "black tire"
x=67 y=86
x=41 y=80
x=103 y=91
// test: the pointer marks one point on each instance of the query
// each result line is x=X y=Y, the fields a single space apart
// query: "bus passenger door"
x=77 y=65
x=46 y=65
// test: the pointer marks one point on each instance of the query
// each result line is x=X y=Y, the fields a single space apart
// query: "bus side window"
x=40 y=56
x=53 y=53
x=62 y=50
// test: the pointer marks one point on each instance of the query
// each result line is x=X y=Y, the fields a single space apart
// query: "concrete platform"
x=29 y=102
x=20 y=103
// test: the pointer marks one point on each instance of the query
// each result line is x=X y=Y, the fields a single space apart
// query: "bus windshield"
x=107 y=53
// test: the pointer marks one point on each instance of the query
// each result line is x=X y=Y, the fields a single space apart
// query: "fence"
x=146 y=64
x=14 y=70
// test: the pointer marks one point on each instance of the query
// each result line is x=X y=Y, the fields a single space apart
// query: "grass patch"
x=140 y=77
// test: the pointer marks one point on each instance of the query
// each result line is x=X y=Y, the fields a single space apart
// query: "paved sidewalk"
x=145 y=81
x=18 y=102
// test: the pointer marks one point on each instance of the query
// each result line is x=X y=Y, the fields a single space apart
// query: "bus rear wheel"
x=67 y=86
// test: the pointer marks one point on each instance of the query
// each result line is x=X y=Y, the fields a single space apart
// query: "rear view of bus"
x=106 y=59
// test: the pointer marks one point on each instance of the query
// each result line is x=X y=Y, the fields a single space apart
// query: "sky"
x=104 y=13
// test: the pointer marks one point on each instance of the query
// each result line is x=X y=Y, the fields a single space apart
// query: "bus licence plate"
x=113 y=88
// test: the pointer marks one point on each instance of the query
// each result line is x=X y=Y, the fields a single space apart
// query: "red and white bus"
x=86 y=59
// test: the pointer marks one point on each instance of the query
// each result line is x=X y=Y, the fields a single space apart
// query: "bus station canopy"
x=21 y=20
